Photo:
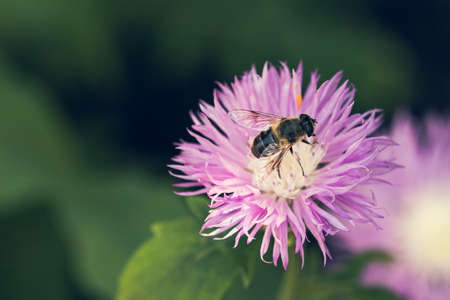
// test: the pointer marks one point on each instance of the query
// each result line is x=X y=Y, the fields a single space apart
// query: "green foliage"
x=340 y=282
x=33 y=256
x=247 y=259
x=264 y=282
x=103 y=213
x=67 y=38
x=352 y=269
x=198 y=206
x=107 y=215
x=254 y=32
x=177 y=263
x=37 y=152
x=82 y=42
x=244 y=257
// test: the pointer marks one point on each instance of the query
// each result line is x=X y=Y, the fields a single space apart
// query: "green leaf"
x=373 y=293
x=67 y=40
x=33 y=258
x=265 y=281
x=248 y=271
x=246 y=257
x=315 y=282
x=377 y=62
x=356 y=264
x=38 y=154
x=198 y=205
x=106 y=215
x=177 y=263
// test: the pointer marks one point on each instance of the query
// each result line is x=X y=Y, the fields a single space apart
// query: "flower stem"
x=289 y=283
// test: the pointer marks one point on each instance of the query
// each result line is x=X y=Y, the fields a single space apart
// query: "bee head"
x=308 y=124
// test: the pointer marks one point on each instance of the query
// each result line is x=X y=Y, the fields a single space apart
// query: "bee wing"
x=276 y=162
x=270 y=150
x=253 y=119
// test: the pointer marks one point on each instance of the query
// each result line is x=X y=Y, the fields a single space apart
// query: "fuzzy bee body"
x=286 y=132
x=277 y=134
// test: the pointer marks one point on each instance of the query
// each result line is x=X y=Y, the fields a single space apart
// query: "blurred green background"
x=95 y=92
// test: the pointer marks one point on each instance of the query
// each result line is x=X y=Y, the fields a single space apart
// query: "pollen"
x=289 y=181
x=299 y=100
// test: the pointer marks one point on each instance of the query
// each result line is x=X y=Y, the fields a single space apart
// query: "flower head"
x=416 y=234
x=317 y=185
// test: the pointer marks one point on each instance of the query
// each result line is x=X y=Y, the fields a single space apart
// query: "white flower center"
x=287 y=180
x=425 y=230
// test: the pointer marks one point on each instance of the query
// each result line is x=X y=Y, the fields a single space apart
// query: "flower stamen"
x=289 y=179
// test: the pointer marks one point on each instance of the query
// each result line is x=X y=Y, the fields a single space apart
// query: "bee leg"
x=276 y=163
x=306 y=142
x=303 y=171
x=300 y=163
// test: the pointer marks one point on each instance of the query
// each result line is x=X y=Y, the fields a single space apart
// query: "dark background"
x=94 y=94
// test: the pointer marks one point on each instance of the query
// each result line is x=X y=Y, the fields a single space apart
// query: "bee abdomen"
x=263 y=140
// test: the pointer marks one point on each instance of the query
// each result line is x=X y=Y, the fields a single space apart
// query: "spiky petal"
x=416 y=234
x=246 y=198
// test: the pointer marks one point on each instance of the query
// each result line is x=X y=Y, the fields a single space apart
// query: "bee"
x=277 y=134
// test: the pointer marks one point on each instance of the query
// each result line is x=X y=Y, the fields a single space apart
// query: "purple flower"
x=247 y=197
x=417 y=232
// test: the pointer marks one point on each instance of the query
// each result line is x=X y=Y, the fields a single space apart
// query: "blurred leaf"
x=107 y=216
x=264 y=283
x=245 y=257
x=323 y=34
x=248 y=270
x=33 y=257
x=357 y=263
x=177 y=263
x=37 y=151
x=319 y=283
x=67 y=38
x=373 y=293
x=198 y=205
x=85 y=40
